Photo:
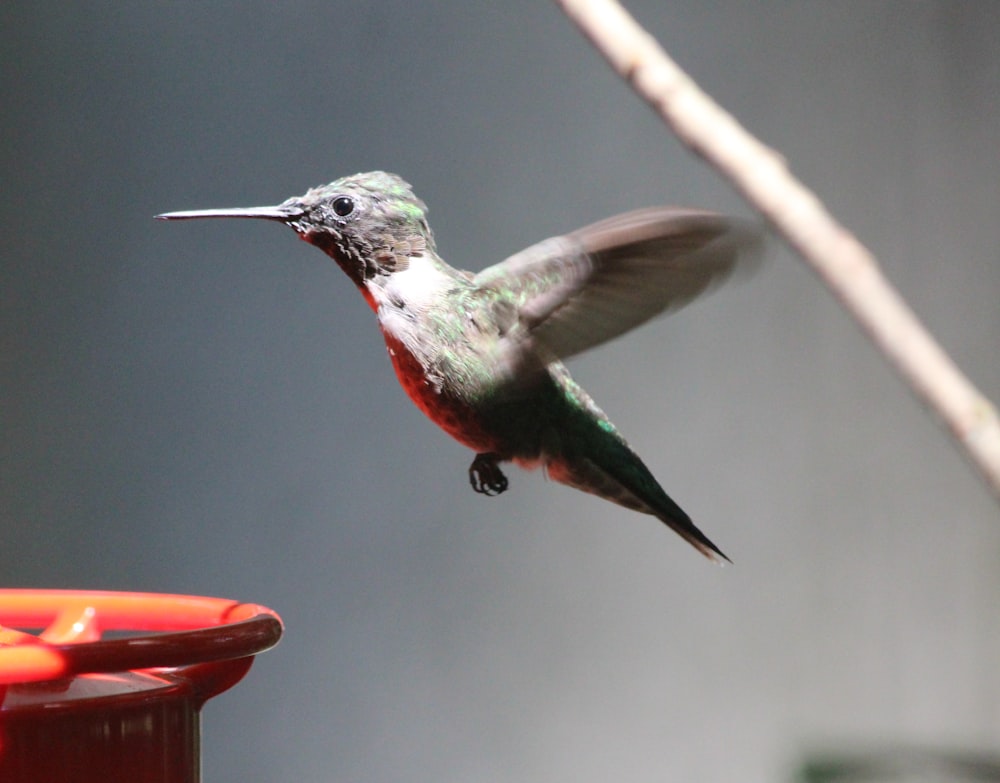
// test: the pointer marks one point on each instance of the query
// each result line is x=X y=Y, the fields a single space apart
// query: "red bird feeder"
x=76 y=707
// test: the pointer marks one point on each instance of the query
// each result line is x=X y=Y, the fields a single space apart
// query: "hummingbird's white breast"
x=406 y=301
x=419 y=286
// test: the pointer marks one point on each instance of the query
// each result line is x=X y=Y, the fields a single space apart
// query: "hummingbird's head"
x=371 y=224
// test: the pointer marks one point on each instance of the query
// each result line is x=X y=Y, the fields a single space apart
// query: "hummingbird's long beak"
x=282 y=212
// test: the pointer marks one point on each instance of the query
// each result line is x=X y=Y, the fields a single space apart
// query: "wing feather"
x=570 y=293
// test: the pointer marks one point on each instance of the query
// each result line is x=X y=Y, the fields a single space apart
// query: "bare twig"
x=842 y=262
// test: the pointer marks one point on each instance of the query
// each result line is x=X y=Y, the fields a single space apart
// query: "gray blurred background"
x=208 y=408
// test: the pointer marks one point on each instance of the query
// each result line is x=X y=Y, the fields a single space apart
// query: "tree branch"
x=760 y=174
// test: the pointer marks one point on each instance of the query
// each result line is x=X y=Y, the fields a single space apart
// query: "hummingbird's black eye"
x=343 y=206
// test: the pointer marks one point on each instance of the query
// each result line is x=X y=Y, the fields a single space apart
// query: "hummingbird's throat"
x=353 y=264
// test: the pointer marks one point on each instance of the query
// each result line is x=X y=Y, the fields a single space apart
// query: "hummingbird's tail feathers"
x=635 y=488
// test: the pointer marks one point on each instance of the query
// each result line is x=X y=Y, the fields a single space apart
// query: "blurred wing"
x=570 y=293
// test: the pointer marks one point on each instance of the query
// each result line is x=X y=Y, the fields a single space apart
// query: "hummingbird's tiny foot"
x=485 y=475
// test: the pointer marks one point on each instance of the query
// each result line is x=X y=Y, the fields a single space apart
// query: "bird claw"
x=485 y=475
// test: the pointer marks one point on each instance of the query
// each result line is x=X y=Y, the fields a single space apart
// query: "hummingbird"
x=481 y=354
